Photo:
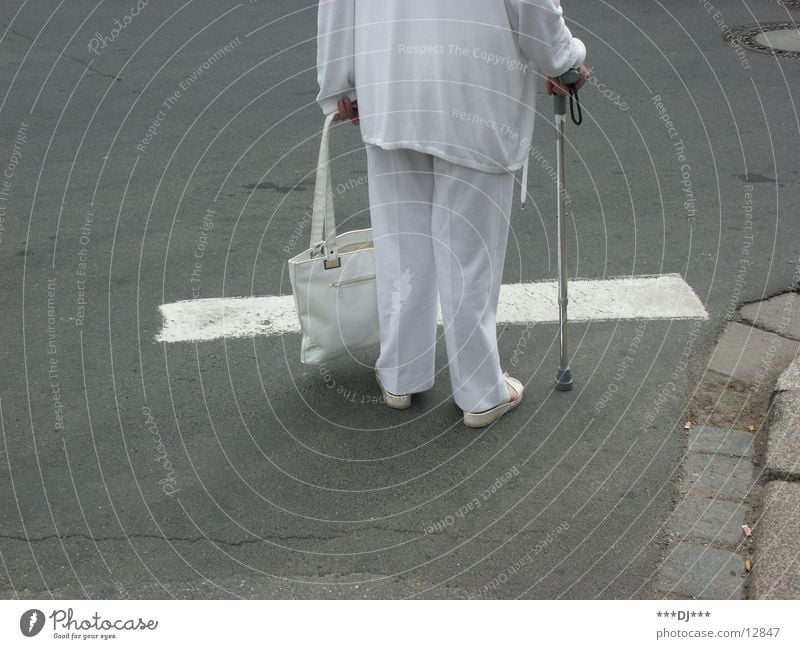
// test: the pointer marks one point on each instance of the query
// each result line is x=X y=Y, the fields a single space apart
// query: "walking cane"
x=569 y=78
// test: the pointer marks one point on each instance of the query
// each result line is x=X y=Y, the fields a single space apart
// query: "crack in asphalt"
x=74 y=58
x=250 y=541
x=157 y=537
x=93 y=69
x=25 y=36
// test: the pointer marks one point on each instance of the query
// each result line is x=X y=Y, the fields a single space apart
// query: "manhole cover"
x=780 y=39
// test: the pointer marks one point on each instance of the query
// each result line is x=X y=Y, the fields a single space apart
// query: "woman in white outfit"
x=444 y=92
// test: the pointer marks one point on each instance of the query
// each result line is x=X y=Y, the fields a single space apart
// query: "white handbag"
x=334 y=280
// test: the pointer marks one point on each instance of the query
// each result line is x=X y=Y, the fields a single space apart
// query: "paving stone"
x=783 y=444
x=709 y=439
x=696 y=571
x=712 y=476
x=704 y=519
x=780 y=314
x=776 y=565
x=754 y=357
x=790 y=378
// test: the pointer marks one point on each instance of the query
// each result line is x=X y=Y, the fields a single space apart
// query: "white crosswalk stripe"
x=652 y=297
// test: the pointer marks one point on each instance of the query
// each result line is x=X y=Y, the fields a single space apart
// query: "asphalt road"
x=132 y=468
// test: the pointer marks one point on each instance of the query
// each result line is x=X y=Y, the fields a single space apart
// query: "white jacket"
x=453 y=78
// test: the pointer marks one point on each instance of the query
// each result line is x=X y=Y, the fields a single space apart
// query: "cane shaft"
x=562 y=242
x=564 y=374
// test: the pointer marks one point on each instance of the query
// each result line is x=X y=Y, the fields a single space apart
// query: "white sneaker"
x=396 y=401
x=481 y=419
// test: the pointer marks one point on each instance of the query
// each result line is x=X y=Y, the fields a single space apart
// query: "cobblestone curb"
x=776 y=571
x=716 y=523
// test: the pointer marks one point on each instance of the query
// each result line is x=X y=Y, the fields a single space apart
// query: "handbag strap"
x=323 y=220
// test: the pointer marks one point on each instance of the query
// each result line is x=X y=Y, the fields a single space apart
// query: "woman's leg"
x=470 y=232
x=400 y=195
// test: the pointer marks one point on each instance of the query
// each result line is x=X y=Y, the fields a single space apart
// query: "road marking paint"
x=651 y=297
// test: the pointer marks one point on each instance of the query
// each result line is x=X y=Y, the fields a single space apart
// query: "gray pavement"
x=227 y=469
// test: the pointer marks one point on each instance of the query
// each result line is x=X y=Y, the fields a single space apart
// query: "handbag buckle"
x=336 y=263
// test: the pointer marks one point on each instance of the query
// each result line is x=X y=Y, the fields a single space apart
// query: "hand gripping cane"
x=569 y=78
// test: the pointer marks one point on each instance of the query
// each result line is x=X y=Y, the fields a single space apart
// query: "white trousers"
x=440 y=233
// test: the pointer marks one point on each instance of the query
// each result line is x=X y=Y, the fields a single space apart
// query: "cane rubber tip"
x=564 y=379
